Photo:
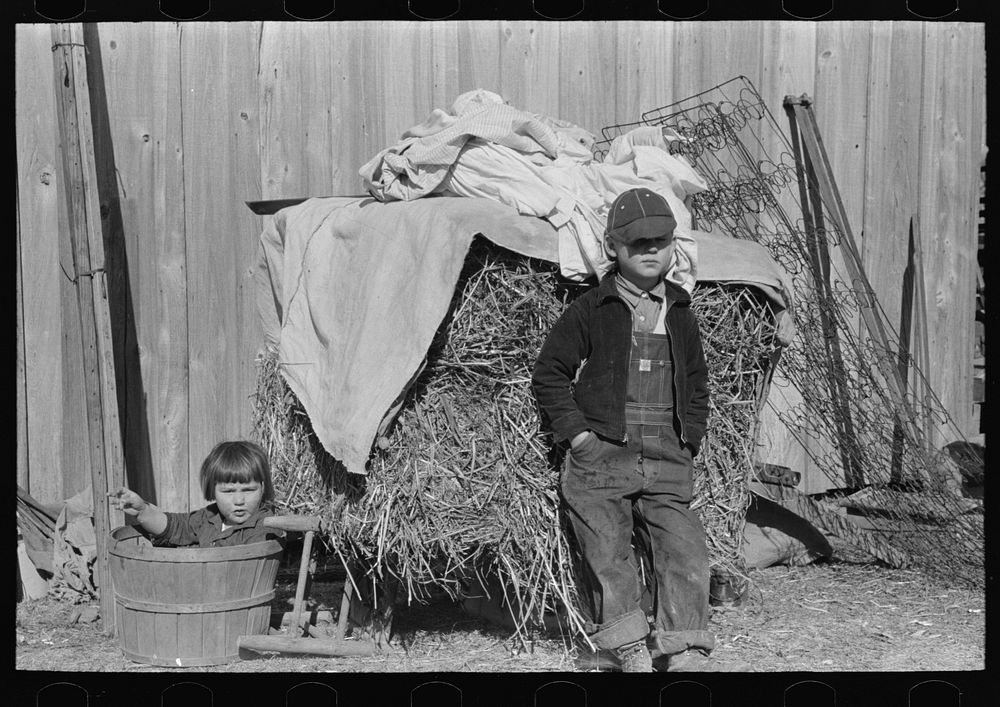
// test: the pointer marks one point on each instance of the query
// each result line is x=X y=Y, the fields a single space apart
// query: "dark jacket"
x=203 y=528
x=591 y=344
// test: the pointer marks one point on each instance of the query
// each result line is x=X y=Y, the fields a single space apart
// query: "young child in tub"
x=236 y=478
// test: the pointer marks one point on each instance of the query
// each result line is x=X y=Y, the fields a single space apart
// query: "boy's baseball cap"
x=640 y=213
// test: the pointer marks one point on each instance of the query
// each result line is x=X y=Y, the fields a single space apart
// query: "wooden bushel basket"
x=185 y=607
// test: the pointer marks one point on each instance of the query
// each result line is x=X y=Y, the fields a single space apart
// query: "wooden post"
x=80 y=186
x=806 y=122
x=817 y=250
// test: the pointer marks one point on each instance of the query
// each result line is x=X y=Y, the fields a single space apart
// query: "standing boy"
x=622 y=378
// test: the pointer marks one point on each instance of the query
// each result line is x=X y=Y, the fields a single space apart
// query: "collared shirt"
x=647 y=307
x=204 y=528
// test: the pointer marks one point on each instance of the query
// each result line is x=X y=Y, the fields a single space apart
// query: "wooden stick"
x=309 y=646
x=817 y=251
x=300 y=585
x=345 y=608
x=80 y=176
x=293 y=523
x=809 y=131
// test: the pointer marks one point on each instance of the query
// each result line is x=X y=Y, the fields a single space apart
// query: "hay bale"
x=465 y=484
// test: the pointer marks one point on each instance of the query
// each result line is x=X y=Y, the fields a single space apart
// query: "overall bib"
x=644 y=484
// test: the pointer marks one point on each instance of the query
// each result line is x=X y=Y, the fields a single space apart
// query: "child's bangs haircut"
x=238 y=462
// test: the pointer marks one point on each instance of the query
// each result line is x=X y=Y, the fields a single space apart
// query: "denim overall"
x=647 y=479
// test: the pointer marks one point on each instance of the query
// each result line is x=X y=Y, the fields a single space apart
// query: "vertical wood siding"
x=203 y=116
x=587 y=76
x=142 y=82
x=529 y=60
x=40 y=277
x=788 y=67
x=951 y=149
x=220 y=125
x=840 y=104
x=645 y=69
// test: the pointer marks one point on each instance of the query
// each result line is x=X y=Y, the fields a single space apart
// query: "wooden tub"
x=185 y=606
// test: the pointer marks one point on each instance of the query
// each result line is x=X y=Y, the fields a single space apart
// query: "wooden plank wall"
x=220 y=125
x=951 y=148
x=145 y=124
x=202 y=116
x=788 y=68
x=841 y=113
x=45 y=318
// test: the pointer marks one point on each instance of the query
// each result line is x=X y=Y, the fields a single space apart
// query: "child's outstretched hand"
x=128 y=501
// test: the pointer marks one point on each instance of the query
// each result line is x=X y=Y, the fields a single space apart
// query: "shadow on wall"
x=128 y=373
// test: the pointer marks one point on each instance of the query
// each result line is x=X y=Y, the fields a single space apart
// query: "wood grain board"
x=587 y=72
x=645 y=67
x=221 y=161
x=951 y=152
x=788 y=68
x=529 y=61
x=146 y=133
x=297 y=137
x=893 y=156
x=711 y=53
x=40 y=281
x=82 y=178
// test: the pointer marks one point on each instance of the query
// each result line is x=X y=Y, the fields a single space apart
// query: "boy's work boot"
x=697 y=661
x=634 y=658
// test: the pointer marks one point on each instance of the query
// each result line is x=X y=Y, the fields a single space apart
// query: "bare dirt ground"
x=834 y=616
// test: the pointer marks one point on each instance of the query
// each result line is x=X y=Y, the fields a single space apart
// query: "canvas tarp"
x=351 y=291
x=541 y=167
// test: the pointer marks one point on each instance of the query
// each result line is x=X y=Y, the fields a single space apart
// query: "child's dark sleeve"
x=697 y=410
x=182 y=529
x=259 y=532
x=564 y=349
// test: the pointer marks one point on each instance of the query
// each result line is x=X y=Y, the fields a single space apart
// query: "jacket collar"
x=608 y=288
x=215 y=518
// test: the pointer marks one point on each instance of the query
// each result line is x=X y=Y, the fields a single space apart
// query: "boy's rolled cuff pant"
x=602 y=479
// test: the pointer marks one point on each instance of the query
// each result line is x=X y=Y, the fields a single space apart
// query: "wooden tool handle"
x=315 y=646
x=301 y=524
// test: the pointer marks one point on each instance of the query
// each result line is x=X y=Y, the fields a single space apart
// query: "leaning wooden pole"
x=107 y=463
x=852 y=456
x=809 y=131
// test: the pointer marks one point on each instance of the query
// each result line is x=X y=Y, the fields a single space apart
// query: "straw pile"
x=464 y=484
